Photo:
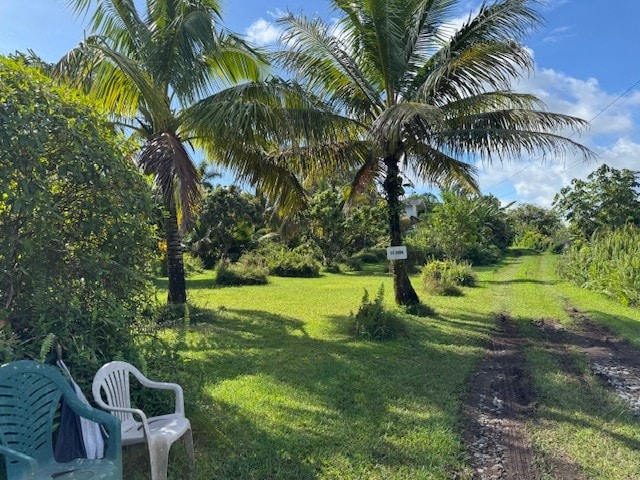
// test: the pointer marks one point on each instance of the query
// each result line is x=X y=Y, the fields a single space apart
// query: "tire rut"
x=499 y=402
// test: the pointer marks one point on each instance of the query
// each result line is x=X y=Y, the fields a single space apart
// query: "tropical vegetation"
x=608 y=263
x=283 y=379
x=424 y=98
x=537 y=228
x=608 y=198
x=156 y=70
x=76 y=226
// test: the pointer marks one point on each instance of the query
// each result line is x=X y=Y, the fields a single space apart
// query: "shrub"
x=284 y=262
x=444 y=277
x=251 y=269
x=192 y=265
x=332 y=268
x=608 y=263
x=374 y=321
x=371 y=255
x=353 y=264
x=481 y=254
x=438 y=284
x=533 y=240
x=76 y=240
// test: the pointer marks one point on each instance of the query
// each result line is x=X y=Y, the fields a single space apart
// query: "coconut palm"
x=175 y=78
x=428 y=99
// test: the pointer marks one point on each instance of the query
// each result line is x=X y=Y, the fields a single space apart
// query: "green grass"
x=277 y=388
x=577 y=420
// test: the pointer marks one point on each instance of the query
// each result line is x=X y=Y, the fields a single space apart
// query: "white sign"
x=398 y=252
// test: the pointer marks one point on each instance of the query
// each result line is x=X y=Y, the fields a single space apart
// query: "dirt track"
x=501 y=399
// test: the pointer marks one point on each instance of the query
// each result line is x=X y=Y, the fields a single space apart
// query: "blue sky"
x=586 y=57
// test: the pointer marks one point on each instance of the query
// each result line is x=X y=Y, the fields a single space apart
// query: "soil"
x=501 y=400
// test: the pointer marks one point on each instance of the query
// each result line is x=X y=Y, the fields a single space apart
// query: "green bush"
x=373 y=321
x=371 y=255
x=250 y=269
x=482 y=254
x=444 y=277
x=533 y=240
x=76 y=235
x=608 y=263
x=285 y=262
x=192 y=265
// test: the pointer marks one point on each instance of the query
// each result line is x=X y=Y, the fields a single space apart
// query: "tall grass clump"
x=374 y=321
x=445 y=277
x=608 y=263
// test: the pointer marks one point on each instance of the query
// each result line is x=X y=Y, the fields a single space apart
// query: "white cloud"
x=558 y=34
x=614 y=136
x=263 y=32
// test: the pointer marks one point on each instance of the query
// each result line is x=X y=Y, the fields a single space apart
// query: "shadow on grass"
x=571 y=399
x=271 y=401
x=626 y=327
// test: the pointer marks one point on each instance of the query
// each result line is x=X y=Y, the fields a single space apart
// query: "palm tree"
x=152 y=70
x=427 y=99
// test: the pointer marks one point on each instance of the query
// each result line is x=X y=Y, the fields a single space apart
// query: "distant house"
x=414 y=207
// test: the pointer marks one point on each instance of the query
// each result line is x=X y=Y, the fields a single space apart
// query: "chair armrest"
x=177 y=389
x=31 y=466
x=134 y=411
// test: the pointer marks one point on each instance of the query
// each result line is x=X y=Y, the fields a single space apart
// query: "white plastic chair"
x=111 y=392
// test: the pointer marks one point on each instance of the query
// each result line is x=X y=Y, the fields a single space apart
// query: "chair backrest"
x=111 y=386
x=30 y=394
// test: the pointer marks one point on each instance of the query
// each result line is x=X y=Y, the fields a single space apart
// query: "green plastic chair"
x=30 y=394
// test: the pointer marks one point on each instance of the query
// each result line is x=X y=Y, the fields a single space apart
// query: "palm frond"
x=109 y=78
x=511 y=134
x=175 y=175
x=438 y=168
x=483 y=54
x=390 y=128
x=325 y=62
x=258 y=113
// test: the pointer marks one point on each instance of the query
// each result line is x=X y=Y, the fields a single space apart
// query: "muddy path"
x=501 y=400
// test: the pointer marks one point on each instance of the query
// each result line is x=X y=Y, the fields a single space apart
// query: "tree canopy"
x=609 y=198
x=425 y=99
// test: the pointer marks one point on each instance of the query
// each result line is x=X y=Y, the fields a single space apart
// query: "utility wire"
x=605 y=148
x=609 y=105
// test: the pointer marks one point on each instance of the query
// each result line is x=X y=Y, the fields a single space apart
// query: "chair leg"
x=188 y=445
x=158 y=459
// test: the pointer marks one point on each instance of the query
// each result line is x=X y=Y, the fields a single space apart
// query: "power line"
x=618 y=98
x=605 y=148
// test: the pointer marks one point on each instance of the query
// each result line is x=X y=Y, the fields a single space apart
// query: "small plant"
x=374 y=321
x=251 y=269
x=444 y=277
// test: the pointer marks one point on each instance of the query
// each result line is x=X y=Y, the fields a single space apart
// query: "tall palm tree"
x=171 y=74
x=427 y=99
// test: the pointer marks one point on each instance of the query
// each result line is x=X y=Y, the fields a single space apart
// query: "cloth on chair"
x=78 y=429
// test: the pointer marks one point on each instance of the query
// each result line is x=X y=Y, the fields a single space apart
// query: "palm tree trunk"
x=402 y=288
x=175 y=264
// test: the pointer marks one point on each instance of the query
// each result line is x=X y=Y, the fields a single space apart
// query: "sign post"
x=398 y=252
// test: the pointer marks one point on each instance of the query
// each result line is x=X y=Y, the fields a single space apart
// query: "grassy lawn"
x=276 y=387
x=279 y=389
x=577 y=420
